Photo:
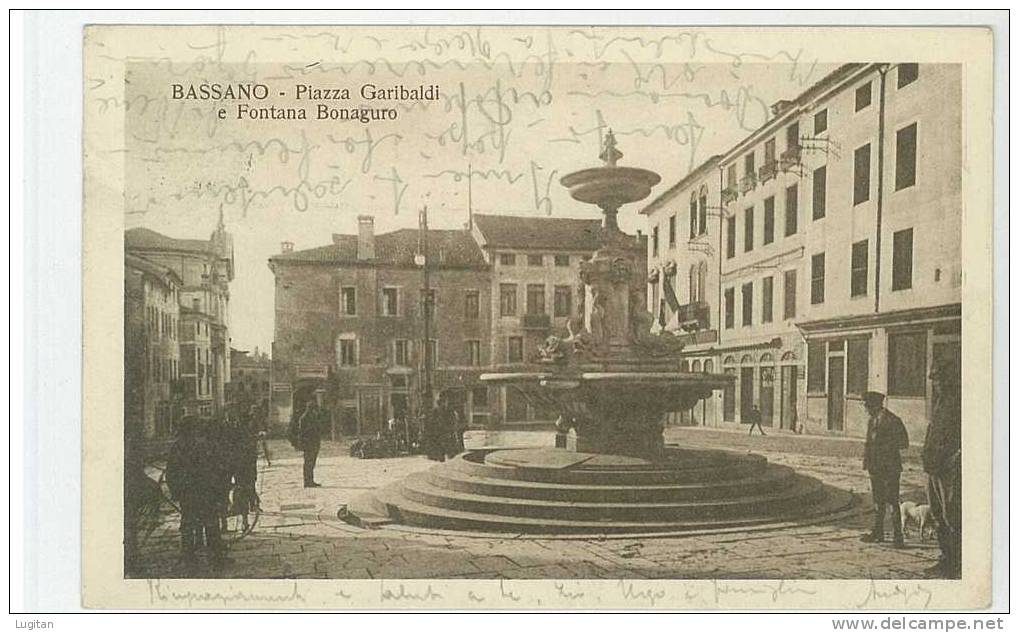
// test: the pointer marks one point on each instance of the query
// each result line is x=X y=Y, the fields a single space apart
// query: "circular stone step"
x=551 y=491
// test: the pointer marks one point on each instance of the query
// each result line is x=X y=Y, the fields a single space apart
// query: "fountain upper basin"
x=610 y=186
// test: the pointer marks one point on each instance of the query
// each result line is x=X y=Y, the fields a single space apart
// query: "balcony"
x=747 y=182
x=791 y=158
x=694 y=316
x=540 y=322
x=729 y=194
x=768 y=171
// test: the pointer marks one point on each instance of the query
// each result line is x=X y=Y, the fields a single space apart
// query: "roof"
x=156 y=270
x=519 y=232
x=446 y=248
x=147 y=239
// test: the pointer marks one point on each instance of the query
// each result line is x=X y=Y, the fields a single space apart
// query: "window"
x=817 y=278
x=769 y=219
x=703 y=212
x=769 y=151
x=815 y=367
x=515 y=349
x=748 y=304
x=348 y=300
x=695 y=283
x=479 y=397
x=535 y=260
x=507 y=300
x=390 y=302
x=730 y=307
x=562 y=301
x=401 y=352
x=654 y=242
x=730 y=176
x=792 y=136
x=562 y=260
x=907 y=74
x=863 y=96
x=792 y=209
x=902 y=259
x=861 y=174
x=767 y=299
x=473 y=353
x=348 y=352
x=820 y=121
x=472 y=304
x=428 y=298
x=672 y=230
x=905 y=157
x=535 y=299
x=748 y=230
x=507 y=259
x=432 y=353
x=820 y=190
x=907 y=364
x=748 y=164
x=857 y=365
x=730 y=237
x=858 y=270
x=693 y=216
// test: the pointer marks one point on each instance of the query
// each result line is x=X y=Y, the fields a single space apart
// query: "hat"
x=873 y=397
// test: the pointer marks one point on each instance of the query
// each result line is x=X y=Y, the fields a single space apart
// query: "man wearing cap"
x=886 y=436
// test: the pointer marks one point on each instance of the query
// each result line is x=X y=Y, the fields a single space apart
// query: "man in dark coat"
x=197 y=479
x=886 y=436
x=310 y=427
x=942 y=460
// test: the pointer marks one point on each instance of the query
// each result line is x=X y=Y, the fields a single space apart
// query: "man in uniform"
x=310 y=428
x=886 y=436
x=942 y=460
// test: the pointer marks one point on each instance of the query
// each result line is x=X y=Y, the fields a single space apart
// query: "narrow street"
x=299 y=536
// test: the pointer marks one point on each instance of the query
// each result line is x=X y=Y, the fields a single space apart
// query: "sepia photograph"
x=418 y=305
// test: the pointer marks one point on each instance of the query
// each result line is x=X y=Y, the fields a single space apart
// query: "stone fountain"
x=612 y=381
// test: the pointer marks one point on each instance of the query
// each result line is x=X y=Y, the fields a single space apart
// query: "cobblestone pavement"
x=298 y=535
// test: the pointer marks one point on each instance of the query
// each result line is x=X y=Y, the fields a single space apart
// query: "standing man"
x=755 y=420
x=886 y=436
x=942 y=460
x=310 y=431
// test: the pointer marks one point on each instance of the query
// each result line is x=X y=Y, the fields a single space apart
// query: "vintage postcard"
x=537 y=317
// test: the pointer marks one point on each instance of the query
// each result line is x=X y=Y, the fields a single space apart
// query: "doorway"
x=787 y=414
x=836 y=393
x=746 y=392
x=767 y=396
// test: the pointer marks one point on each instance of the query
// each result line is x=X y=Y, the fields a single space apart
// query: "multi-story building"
x=535 y=290
x=349 y=326
x=151 y=348
x=683 y=271
x=205 y=268
x=840 y=251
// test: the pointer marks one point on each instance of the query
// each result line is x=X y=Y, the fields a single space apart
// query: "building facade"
x=151 y=349
x=349 y=326
x=839 y=253
x=205 y=268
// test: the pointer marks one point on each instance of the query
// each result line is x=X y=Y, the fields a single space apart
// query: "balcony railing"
x=791 y=157
x=695 y=316
x=747 y=183
x=729 y=194
x=537 y=322
x=768 y=171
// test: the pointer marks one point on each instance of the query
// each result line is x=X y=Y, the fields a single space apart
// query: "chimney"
x=286 y=247
x=365 y=237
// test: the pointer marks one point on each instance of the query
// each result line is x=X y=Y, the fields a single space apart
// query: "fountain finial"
x=610 y=155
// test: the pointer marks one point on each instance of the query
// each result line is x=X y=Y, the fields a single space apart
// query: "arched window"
x=693 y=214
x=788 y=356
x=709 y=366
x=702 y=280
x=746 y=360
x=684 y=366
x=729 y=360
x=696 y=366
x=767 y=358
x=703 y=209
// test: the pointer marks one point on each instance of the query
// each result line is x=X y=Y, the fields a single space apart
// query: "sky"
x=517 y=109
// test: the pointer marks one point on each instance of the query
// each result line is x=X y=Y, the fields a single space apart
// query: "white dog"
x=918 y=514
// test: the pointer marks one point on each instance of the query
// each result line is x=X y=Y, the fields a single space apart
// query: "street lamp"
x=421 y=260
